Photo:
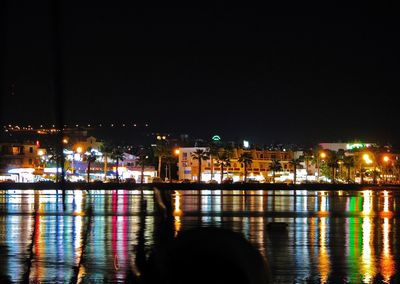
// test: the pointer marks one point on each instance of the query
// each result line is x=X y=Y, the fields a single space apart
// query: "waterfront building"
x=258 y=170
x=18 y=161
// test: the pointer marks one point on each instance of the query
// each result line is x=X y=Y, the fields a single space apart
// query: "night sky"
x=283 y=72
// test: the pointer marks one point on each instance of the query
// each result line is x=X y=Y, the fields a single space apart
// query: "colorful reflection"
x=177 y=212
x=351 y=235
x=387 y=263
x=324 y=263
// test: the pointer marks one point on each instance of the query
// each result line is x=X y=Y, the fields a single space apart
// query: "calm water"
x=333 y=237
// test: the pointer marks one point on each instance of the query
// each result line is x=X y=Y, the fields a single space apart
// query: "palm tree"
x=246 y=160
x=142 y=161
x=55 y=157
x=117 y=154
x=332 y=164
x=348 y=162
x=106 y=149
x=307 y=158
x=199 y=155
x=340 y=160
x=396 y=168
x=161 y=151
x=170 y=159
x=316 y=159
x=212 y=152
x=90 y=157
x=295 y=163
x=274 y=167
x=223 y=161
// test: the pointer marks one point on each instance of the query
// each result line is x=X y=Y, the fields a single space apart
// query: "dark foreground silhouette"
x=206 y=255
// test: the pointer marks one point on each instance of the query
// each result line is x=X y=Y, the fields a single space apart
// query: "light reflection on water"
x=331 y=237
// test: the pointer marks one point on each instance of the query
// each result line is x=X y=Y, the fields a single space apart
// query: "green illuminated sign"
x=356 y=146
x=216 y=138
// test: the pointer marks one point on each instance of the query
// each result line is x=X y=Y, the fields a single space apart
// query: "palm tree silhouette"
x=161 y=151
x=223 y=161
x=54 y=156
x=117 y=154
x=246 y=160
x=106 y=149
x=348 y=162
x=212 y=152
x=170 y=159
x=333 y=164
x=295 y=163
x=307 y=158
x=275 y=167
x=199 y=155
x=142 y=161
x=90 y=157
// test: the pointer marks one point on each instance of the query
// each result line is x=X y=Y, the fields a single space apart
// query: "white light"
x=22 y=170
x=51 y=170
x=246 y=144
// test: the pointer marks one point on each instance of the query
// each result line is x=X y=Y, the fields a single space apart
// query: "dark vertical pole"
x=58 y=82
x=3 y=42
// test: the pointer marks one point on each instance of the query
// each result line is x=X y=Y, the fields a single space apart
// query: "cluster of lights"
x=42 y=127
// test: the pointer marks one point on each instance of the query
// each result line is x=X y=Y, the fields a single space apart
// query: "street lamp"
x=386 y=159
x=320 y=157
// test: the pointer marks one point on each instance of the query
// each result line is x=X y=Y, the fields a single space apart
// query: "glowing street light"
x=177 y=152
x=367 y=159
x=386 y=159
x=323 y=155
x=79 y=150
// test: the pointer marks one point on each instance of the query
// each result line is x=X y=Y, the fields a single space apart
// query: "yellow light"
x=158 y=137
x=40 y=152
x=386 y=159
x=65 y=141
x=177 y=151
x=323 y=155
x=79 y=150
x=367 y=159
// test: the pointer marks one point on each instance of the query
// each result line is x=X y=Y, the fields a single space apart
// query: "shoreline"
x=194 y=186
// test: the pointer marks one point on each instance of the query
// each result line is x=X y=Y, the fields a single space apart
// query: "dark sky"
x=291 y=73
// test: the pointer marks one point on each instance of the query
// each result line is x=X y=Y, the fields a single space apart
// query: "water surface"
x=97 y=236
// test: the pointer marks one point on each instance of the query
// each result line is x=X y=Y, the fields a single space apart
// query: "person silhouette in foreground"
x=207 y=255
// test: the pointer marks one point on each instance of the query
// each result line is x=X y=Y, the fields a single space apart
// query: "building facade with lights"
x=259 y=170
x=18 y=159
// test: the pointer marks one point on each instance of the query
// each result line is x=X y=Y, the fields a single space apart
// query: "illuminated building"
x=17 y=159
x=258 y=170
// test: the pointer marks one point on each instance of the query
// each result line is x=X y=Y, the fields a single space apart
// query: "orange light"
x=65 y=141
x=177 y=151
x=386 y=159
x=79 y=150
x=323 y=155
